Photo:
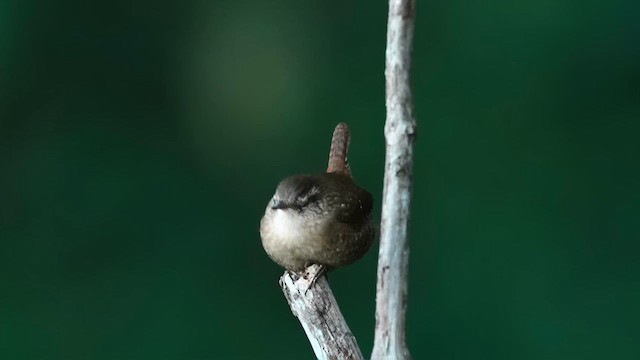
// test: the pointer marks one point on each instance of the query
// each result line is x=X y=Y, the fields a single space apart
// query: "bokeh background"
x=141 y=140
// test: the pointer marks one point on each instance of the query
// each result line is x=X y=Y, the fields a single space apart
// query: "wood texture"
x=400 y=131
x=318 y=312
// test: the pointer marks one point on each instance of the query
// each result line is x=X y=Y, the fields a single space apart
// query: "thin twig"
x=318 y=312
x=400 y=130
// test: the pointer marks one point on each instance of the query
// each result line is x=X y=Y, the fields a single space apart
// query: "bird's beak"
x=278 y=204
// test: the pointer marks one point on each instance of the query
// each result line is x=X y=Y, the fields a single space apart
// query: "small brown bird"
x=322 y=219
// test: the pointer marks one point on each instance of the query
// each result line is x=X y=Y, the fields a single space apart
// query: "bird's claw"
x=315 y=275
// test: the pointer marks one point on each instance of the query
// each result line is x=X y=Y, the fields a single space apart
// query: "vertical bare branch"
x=399 y=130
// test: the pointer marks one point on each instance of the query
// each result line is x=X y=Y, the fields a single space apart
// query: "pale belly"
x=295 y=242
x=290 y=241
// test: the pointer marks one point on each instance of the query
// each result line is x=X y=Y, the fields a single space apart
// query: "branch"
x=318 y=312
x=399 y=130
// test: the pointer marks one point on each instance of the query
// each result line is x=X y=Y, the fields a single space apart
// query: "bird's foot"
x=313 y=273
x=294 y=275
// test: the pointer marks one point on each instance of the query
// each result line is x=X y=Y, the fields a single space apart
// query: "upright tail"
x=338 y=161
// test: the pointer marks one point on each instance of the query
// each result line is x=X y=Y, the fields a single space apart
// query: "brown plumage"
x=320 y=219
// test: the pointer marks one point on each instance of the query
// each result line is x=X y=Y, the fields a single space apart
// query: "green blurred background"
x=141 y=140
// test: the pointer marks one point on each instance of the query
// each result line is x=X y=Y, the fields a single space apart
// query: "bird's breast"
x=286 y=227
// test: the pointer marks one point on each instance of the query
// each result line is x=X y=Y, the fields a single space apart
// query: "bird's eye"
x=302 y=199
x=307 y=198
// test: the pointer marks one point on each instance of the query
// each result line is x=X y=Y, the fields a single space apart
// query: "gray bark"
x=400 y=131
x=318 y=312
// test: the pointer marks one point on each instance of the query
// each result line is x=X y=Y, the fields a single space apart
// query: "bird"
x=322 y=219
